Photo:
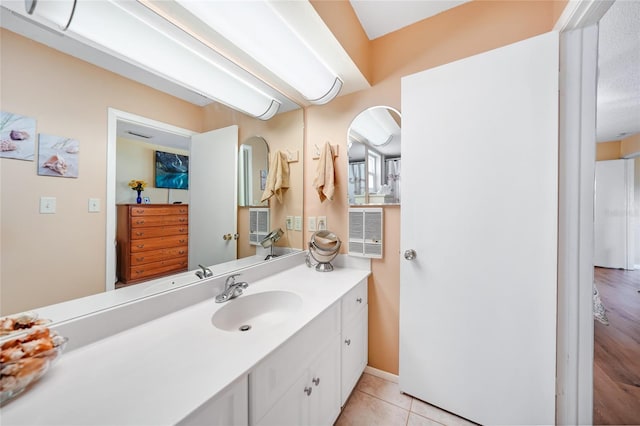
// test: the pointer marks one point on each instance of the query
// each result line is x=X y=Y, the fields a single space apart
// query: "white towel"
x=324 y=181
x=278 y=177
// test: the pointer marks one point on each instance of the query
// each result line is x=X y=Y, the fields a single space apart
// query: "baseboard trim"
x=382 y=374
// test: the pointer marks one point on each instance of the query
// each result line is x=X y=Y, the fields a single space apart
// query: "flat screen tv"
x=172 y=170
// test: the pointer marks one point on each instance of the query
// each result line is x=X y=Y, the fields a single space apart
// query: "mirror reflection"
x=71 y=247
x=374 y=143
x=253 y=167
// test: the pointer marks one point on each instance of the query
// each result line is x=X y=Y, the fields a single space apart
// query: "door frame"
x=578 y=26
x=113 y=116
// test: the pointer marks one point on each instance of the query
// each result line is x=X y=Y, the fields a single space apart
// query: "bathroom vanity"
x=297 y=363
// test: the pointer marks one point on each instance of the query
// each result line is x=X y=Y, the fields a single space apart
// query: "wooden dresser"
x=152 y=241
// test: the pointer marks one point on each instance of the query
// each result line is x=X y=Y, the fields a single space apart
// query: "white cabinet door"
x=478 y=302
x=354 y=345
x=229 y=408
x=324 y=401
x=292 y=409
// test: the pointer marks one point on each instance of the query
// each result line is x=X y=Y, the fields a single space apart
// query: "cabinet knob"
x=359 y=300
x=316 y=381
x=347 y=341
x=308 y=390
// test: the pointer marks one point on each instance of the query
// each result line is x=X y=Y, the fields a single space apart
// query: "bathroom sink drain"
x=245 y=327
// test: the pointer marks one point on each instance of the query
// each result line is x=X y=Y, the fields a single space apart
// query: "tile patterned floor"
x=376 y=401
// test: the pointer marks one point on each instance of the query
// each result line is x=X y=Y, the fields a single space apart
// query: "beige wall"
x=472 y=28
x=136 y=160
x=608 y=150
x=49 y=258
x=630 y=145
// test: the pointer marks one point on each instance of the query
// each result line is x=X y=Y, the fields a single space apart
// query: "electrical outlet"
x=311 y=224
x=289 y=222
x=297 y=223
x=47 y=205
x=322 y=223
x=94 y=205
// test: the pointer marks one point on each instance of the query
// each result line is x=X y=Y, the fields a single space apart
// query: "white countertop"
x=160 y=371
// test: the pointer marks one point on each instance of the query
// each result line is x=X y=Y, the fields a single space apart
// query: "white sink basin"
x=256 y=311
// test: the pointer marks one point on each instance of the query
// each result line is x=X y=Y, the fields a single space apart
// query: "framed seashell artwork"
x=17 y=136
x=57 y=156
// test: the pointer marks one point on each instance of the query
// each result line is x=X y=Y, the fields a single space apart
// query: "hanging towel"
x=278 y=177
x=324 y=182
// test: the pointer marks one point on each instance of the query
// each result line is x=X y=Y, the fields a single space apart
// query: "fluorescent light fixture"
x=57 y=12
x=137 y=35
x=259 y=30
x=376 y=125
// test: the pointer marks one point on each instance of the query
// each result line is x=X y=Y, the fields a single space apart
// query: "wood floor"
x=616 y=367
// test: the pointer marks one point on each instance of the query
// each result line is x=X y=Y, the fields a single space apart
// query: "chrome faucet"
x=205 y=273
x=232 y=289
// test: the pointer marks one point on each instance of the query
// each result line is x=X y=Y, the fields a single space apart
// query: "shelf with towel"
x=316 y=152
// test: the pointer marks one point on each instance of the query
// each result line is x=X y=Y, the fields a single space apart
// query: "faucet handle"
x=231 y=279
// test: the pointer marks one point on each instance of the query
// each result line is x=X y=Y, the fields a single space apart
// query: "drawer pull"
x=316 y=381
x=139 y=234
x=183 y=230
x=182 y=219
x=140 y=272
x=347 y=341
x=308 y=390
x=139 y=259
x=140 y=246
x=183 y=241
x=359 y=300
x=181 y=252
x=139 y=210
x=139 y=222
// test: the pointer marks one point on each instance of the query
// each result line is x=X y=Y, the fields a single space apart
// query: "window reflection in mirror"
x=253 y=163
x=374 y=142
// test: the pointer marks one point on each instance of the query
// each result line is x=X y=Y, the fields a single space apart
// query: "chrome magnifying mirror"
x=270 y=240
x=324 y=246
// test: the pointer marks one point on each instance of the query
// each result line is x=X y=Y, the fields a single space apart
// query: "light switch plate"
x=297 y=223
x=322 y=223
x=311 y=224
x=94 y=205
x=47 y=205
x=289 y=222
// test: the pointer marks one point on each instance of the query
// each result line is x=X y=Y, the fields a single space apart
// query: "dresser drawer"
x=158 y=243
x=142 y=257
x=145 y=221
x=158 y=211
x=157 y=268
x=158 y=231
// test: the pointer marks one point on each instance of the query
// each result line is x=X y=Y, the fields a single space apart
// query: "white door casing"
x=213 y=197
x=478 y=304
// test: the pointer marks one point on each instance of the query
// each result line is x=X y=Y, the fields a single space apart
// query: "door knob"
x=410 y=254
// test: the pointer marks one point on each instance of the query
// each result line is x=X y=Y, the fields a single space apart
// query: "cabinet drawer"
x=158 y=243
x=154 y=268
x=143 y=257
x=145 y=221
x=354 y=301
x=158 y=231
x=273 y=376
x=158 y=211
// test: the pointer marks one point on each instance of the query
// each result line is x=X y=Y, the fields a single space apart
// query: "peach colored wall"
x=469 y=29
x=48 y=258
x=608 y=150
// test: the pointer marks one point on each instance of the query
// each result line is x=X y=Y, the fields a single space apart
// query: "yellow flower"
x=137 y=185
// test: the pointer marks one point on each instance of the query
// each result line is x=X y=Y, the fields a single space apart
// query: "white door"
x=479 y=208
x=613 y=242
x=213 y=197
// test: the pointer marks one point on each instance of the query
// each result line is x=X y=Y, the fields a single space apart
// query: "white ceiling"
x=380 y=17
x=618 y=112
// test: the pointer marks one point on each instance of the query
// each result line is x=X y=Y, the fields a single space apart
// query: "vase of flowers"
x=138 y=186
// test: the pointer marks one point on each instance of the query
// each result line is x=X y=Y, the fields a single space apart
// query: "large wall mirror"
x=71 y=248
x=253 y=166
x=374 y=143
